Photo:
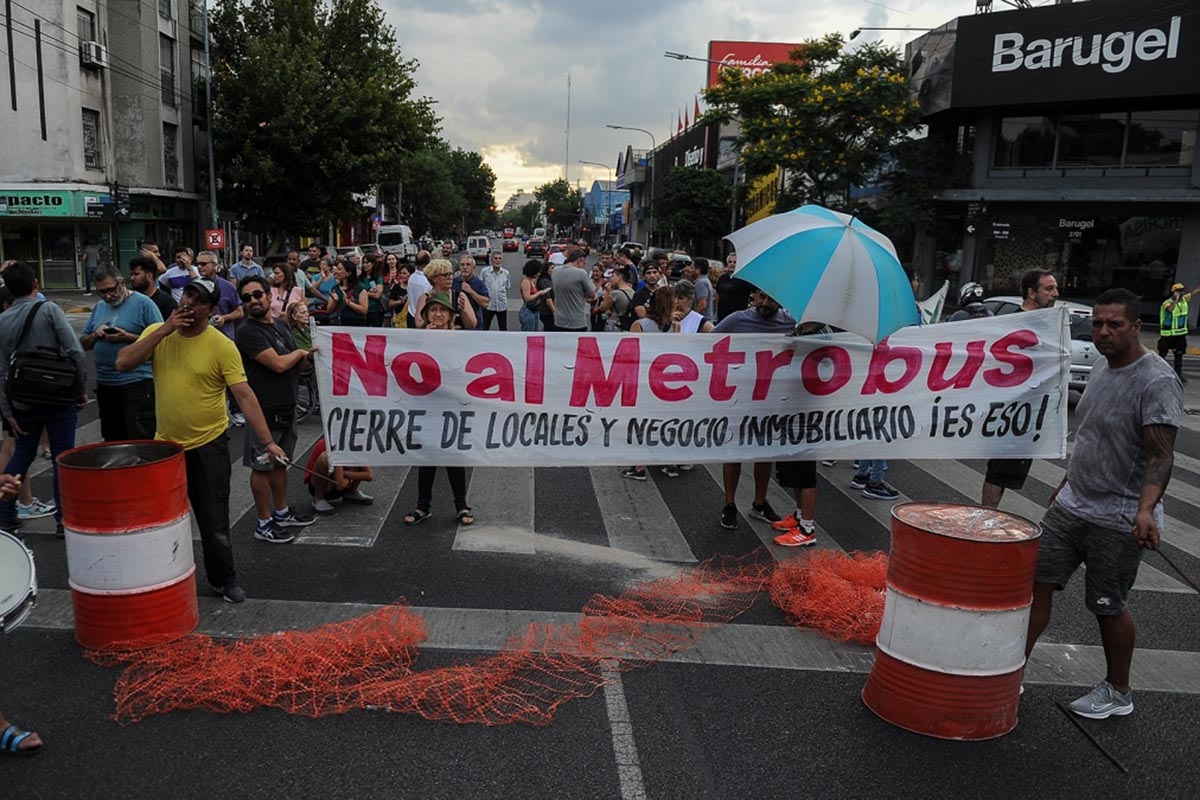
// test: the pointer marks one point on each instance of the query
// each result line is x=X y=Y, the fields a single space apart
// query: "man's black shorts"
x=1009 y=473
x=796 y=474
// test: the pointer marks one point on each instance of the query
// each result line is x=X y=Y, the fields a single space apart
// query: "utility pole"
x=567 y=158
x=212 y=162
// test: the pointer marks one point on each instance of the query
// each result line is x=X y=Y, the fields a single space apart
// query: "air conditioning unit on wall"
x=92 y=55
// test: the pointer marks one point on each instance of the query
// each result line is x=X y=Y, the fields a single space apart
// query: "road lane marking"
x=757 y=646
x=629 y=767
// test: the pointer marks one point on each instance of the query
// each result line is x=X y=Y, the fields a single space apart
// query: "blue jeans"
x=873 y=469
x=59 y=424
x=529 y=319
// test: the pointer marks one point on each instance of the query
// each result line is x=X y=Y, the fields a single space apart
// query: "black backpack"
x=43 y=376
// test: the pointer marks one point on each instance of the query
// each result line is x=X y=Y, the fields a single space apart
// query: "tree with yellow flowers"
x=828 y=116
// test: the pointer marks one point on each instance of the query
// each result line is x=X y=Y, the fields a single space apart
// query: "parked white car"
x=1083 y=352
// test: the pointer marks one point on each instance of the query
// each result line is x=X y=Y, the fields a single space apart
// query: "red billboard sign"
x=750 y=57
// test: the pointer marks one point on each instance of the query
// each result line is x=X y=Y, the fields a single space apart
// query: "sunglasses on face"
x=255 y=295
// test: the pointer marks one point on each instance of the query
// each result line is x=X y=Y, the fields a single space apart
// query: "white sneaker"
x=238 y=419
x=323 y=507
x=35 y=510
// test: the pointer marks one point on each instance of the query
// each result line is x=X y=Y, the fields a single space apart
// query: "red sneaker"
x=787 y=523
x=795 y=538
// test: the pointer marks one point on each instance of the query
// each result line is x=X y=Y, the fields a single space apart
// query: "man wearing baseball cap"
x=1173 y=325
x=193 y=364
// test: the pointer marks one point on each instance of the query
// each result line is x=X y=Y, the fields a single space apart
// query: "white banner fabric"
x=974 y=389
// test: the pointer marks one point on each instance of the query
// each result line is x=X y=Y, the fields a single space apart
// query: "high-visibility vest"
x=1173 y=321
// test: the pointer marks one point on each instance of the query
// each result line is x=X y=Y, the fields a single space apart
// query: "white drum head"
x=18 y=582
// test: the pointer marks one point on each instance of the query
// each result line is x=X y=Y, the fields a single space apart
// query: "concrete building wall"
x=67 y=88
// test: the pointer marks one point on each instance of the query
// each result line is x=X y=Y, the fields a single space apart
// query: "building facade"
x=1080 y=121
x=103 y=121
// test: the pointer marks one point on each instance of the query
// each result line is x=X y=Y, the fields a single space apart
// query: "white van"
x=478 y=247
x=539 y=233
x=397 y=239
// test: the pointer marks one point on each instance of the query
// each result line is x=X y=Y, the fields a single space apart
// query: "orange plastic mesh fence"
x=367 y=662
x=837 y=594
x=316 y=672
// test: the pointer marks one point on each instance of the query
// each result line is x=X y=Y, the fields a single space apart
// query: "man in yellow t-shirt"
x=1173 y=325
x=193 y=364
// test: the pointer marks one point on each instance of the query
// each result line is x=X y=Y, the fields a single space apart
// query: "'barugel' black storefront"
x=1080 y=122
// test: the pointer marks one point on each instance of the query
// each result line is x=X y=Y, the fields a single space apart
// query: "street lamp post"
x=649 y=175
x=854 y=34
x=607 y=197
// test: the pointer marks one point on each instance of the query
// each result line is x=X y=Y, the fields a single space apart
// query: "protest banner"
x=973 y=389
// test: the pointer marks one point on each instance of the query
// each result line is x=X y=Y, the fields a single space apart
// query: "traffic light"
x=551 y=209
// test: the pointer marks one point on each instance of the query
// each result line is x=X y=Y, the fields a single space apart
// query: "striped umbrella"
x=824 y=266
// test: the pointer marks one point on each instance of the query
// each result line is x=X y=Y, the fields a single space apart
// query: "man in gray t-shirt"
x=697 y=273
x=1109 y=505
x=573 y=290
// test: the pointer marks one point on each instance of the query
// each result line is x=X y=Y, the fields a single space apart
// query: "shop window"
x=85 y=22
x=1091 y=140
x=170 y=137
x=166 y=59
x=91 y=139
x=1162 y=138
x=1025 y=142
x=19 y=241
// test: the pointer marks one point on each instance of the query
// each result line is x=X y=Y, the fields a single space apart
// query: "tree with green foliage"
x=563 y=202
x=694 y=206
x=432 y=201
x=476 y=184
x=279 y=68
x=827 y=116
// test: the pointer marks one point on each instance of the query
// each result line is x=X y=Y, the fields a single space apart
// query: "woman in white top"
x=686 y=319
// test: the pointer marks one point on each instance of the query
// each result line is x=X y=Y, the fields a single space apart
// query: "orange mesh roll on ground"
x=367 y=662
x=837 y=594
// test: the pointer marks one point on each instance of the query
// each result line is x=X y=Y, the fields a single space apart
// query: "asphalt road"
x=759 y=710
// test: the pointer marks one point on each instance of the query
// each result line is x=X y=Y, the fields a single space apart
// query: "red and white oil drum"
x=129 y=541
x=951 y=650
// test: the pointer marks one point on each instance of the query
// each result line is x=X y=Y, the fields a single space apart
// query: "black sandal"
x=465 y=517
x=415 y=516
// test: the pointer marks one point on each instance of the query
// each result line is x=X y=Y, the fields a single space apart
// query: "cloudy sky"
x=498 y=68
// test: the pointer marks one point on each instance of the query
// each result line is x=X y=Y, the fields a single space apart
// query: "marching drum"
x=18 y=582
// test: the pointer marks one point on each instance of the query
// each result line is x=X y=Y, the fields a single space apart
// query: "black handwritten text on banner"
x=983 y=388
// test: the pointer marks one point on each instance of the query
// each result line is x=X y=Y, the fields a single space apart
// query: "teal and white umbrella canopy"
x=825 y=266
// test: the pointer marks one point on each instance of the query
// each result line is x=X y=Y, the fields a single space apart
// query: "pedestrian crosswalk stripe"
x=963 y=479
x=637 y=518
x=782 y=500
x=758 y=646
x=504 y=499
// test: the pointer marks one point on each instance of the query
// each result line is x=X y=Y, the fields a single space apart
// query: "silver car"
x=1083 y=352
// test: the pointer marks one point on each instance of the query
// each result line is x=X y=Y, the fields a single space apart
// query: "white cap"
x=557 y=258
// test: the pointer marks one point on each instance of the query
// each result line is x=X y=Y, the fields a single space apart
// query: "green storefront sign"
x=36 y=204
